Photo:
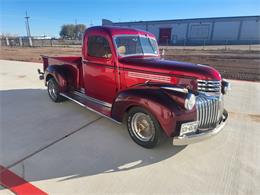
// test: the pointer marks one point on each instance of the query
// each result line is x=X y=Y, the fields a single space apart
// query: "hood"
x=182 y=69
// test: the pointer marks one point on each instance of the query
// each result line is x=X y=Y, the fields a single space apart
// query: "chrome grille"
x=209 y=86
x=209 y=109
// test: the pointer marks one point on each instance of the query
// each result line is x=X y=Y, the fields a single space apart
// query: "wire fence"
x=31 y=42
x=222 y=45
x=202 y=45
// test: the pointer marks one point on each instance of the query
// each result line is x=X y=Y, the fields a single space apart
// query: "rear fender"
x=163 y=107
x=59 y=74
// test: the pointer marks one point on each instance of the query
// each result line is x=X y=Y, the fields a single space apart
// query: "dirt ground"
x=232 y=64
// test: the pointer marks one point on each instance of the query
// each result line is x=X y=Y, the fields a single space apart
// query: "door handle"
x=84 y=61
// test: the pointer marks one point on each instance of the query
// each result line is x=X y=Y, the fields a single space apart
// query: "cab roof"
x=115 y=30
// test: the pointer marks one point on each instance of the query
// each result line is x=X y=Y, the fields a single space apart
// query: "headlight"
x=190 y=101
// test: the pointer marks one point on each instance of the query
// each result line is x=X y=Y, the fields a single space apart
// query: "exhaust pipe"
x=41 y=74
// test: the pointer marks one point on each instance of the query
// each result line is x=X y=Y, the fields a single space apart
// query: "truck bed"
x=73 y=60
x=73 y=65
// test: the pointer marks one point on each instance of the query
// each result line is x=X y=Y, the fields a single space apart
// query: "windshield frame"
x=137 y=54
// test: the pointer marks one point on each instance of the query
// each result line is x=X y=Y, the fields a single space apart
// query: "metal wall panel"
x=200 y=31
x=226 y=30
x=250 y=30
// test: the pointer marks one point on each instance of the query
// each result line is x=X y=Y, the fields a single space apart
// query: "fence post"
x=226 y=44
x=30 y=42
x=163 y=53
x=20 y=41
x=7 y=41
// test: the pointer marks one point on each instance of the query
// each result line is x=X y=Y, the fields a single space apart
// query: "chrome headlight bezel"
x=190 y=101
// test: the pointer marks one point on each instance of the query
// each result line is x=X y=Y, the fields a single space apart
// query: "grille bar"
x=209 y=86
x=208 y=110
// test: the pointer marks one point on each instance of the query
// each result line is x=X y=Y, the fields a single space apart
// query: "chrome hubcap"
x=52 y=90
x=142 y=126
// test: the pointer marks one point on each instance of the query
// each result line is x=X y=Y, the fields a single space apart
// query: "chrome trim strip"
x=200 y=113
x=93 y=99
x=149 y=76
x=205 y=111
x=216 y=111
x=194 y=138
x=211 y=104
x=79 y=103
x=91 y=109
x=182 y=90
x=209 y=85
x=208 y=81
x=209 y=89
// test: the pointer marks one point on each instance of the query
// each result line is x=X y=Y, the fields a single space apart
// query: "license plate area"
x=190 y=127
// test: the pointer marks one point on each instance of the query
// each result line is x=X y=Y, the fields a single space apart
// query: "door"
x=165 y=36
x=99 y=69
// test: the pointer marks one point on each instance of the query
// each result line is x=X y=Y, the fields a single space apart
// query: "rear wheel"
x=54 y=91
x=143 y=128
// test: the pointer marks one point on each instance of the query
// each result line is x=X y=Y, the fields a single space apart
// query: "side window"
x=98 y=46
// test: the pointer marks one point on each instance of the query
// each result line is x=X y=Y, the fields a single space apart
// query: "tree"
x=79 y=30
x=71 y=31
x=67 y=31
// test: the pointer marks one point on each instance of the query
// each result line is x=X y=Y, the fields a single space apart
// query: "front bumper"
x=197 y=137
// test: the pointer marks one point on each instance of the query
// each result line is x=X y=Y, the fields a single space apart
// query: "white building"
x=210 y=31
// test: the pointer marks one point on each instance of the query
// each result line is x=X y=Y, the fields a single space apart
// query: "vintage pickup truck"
x=122 y=77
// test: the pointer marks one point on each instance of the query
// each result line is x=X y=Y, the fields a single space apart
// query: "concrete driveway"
x=65 y=149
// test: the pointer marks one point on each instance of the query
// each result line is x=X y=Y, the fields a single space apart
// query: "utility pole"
x=27 y=25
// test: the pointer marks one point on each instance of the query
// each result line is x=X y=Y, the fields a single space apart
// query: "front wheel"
x=53 y=91
x=143 y=128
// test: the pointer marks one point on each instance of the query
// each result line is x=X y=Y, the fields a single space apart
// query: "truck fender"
x=158 y=103
x=59 y=74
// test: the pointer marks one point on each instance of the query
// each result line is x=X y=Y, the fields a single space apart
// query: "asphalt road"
x=63 y=148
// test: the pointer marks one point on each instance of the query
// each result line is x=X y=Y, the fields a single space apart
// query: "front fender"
x=163 y=107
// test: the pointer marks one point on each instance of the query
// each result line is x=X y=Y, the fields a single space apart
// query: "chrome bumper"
x=194 y=138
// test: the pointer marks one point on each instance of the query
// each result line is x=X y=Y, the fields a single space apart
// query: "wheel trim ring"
x=52 y=90
x=134 y=125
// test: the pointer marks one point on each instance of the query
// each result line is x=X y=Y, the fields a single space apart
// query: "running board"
x=90 y=105
x=81 y=95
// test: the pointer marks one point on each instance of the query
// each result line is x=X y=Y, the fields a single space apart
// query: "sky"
x=47 y=16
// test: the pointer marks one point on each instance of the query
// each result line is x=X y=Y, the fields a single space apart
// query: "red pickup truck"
x=122 y=77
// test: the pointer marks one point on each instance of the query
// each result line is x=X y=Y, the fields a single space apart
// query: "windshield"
x=131 y=45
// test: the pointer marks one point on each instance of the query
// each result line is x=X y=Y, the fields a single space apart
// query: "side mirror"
x=225 y=87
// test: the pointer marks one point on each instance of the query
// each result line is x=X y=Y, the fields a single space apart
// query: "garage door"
x=165 y=36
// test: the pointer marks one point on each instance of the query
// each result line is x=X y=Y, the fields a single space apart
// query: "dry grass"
x=239 y=64
x=34 y=54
